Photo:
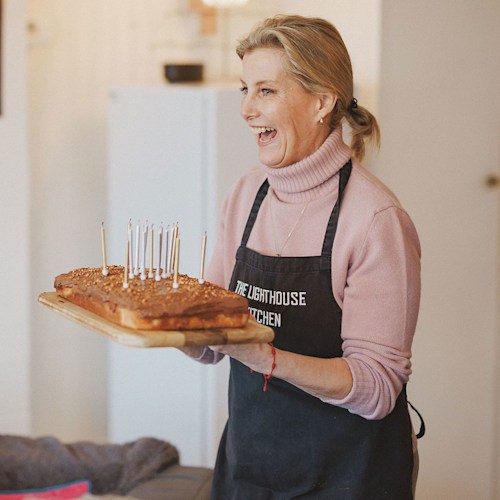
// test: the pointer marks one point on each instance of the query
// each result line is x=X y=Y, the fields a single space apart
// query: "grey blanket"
x=27 y=463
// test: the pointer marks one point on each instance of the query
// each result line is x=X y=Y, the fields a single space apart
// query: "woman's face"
x=282 y=114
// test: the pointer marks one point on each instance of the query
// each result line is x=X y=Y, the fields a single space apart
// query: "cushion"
x=75 y=489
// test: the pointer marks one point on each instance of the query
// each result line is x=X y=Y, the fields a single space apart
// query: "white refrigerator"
x=174 y=151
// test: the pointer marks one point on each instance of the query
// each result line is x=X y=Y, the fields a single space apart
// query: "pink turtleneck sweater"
x=375 y=262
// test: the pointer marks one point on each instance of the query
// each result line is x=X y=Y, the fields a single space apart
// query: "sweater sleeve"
x=381 y=298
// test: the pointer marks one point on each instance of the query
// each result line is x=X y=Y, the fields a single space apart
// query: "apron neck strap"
x=331 y=229
x=259 y=198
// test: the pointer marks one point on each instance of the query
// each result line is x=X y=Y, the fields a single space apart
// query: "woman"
x=327 y=257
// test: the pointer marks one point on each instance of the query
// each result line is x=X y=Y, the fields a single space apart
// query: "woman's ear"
x=327 y=103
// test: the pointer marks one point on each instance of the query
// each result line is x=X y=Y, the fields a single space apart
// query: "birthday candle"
x=165 y=274
x=175 y=283
x=201 y=279
x=125 y=269
x=136 y=254
x=103 y=246
x=151 y=249
x=172 y=250
x=144 y=235
x=175 y=233
x=158 y=267
x=131 y=259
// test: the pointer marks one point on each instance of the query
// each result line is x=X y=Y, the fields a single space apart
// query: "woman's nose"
x=248 y=109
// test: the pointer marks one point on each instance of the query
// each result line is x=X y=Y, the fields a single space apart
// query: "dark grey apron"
x=285 y=443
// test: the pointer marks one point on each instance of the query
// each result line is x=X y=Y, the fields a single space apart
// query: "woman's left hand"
x=258 y=357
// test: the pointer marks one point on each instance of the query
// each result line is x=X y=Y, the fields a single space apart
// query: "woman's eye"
x=266 y=91
x=244 y=90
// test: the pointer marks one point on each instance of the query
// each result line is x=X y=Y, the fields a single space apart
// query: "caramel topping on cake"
x=150 y=298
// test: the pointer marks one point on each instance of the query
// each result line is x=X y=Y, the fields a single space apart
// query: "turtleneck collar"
x=313 y=176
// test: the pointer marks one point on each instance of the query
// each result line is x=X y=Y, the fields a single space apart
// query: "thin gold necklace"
x=279 y=251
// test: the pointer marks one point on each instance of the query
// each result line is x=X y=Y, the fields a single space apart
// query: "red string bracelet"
x=273 y=366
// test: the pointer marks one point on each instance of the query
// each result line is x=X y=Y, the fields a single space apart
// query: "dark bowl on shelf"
x=180 y=73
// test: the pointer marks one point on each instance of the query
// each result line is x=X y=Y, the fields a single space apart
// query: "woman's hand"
x=194 y=351
x=203 y=354
x=258 y=357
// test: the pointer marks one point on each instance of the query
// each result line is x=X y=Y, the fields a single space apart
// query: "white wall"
x=440 y=119
x=14 y=227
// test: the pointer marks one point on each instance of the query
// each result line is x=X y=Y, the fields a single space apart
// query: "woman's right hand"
x=194 y=351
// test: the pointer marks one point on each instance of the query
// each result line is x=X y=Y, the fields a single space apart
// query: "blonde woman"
x=327 y=256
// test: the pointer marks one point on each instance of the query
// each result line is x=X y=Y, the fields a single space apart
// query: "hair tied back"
x=354 y=103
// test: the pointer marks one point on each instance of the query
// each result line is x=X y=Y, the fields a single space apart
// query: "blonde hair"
x=317 y=57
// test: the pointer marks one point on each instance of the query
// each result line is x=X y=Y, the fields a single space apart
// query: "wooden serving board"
x=253 y=333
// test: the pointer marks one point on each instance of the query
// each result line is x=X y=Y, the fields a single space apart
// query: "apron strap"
x=421 y=432
x=331 y=229
x=259 y=198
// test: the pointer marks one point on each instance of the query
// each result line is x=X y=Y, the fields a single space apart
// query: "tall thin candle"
x=175 y=233
x=103 y=247
x=136 y=254
x=158 y=267
x=166 y=268
x=175 y=283
x=131 y=251
x=201 y=279
x=151 y=251
x=144 y=235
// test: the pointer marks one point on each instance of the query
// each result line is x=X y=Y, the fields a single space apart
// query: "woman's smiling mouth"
x=266 y=134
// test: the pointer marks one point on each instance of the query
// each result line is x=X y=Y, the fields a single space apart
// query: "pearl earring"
x=321 y=121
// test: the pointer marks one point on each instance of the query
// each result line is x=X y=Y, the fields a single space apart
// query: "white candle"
x=144 y=235
x=175 y=233
x=136 y=254
x=166 y=270
x=131 y=259
x=103 y=247
x=175 y=283
x=201 y=279
x=125 y=269
x=151 y=249
x=158 y=267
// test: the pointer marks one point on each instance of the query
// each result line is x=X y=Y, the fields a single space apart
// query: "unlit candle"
x=103 y=247
x=175 y=283
x=201 y=279
x=158 y=267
